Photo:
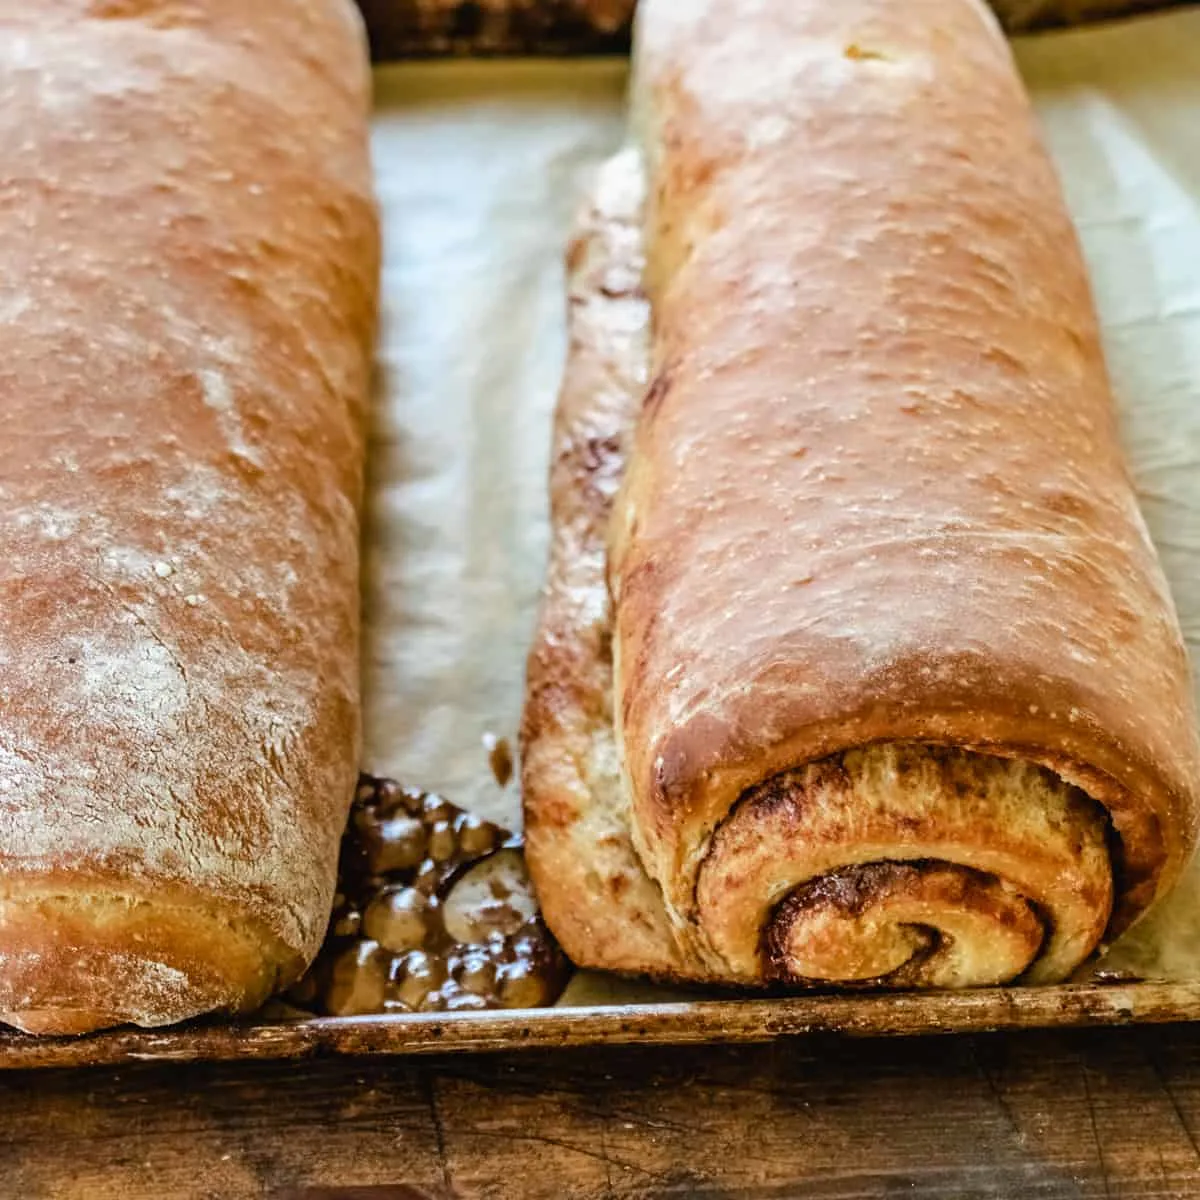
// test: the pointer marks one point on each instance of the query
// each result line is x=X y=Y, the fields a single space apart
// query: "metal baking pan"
x=686 y=1023
x=470 y=356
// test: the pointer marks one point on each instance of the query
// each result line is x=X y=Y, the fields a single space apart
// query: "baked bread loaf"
x=867 y=674
x=191 y=251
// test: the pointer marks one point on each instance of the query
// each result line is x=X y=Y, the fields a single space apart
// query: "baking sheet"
x=480 y=167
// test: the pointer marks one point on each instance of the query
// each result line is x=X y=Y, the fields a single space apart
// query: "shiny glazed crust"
x=191 y=254
x=875 y=498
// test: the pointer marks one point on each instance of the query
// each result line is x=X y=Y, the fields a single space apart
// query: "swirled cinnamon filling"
x=907 y=865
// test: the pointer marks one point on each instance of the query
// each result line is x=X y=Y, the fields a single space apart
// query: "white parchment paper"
x=480 y=168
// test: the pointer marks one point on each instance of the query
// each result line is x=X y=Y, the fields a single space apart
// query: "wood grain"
x=1078 y=1115
x=486 y=28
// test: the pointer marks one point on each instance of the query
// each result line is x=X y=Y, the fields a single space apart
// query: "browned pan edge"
x=728 y=1021
x=406 y=29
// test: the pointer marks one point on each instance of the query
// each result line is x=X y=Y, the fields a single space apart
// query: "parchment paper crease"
x=480 y=168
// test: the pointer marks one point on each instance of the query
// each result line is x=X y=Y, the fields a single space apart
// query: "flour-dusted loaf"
x=190 y=253
x=867 y=674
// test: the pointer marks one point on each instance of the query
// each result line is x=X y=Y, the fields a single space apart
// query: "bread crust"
x=875 y=494
x=605 y=909
x=191 y=250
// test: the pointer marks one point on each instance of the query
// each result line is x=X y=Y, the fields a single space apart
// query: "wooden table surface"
x=1103 y=1113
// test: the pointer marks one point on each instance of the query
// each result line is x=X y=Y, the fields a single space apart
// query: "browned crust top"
x=876 y=491
x=191 y=248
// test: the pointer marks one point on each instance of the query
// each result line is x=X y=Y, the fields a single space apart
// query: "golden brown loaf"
x=190 y=257
x=885 y=686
